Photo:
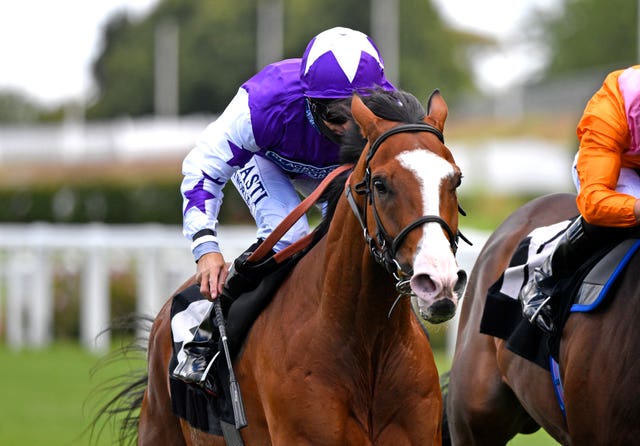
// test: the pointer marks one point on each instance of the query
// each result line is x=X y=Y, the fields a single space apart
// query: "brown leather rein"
x=286 y=224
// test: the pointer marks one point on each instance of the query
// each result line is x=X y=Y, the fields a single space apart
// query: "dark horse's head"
x=406 y=182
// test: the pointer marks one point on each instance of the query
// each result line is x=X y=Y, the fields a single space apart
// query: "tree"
x=432 y=55
x=217 y=45
x=588 y=34
x=124 y=70
x=17 y=108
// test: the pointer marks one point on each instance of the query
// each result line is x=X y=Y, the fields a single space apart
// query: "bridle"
x=384 y=248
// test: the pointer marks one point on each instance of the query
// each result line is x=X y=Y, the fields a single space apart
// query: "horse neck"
x=358 y=292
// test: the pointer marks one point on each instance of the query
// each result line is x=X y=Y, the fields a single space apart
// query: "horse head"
x=409 y=211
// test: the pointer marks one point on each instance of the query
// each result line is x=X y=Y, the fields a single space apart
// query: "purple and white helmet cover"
x=338 y=62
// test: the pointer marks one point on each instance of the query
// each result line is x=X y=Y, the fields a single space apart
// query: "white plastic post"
x=39 y=303
x=148 y=291
x=17 y=278
x=95 y=302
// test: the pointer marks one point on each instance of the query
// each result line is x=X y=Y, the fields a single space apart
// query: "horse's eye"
x=379 y=185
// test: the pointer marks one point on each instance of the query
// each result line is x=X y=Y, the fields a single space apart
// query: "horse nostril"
x=423 y=282
x=461 y=283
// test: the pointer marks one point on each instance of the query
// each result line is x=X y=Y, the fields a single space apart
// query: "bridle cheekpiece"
x=383 y=248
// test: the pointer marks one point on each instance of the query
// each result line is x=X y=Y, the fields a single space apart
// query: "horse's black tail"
x=121 y=396
x=444 y=388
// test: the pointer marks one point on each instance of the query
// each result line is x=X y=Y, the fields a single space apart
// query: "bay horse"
x=336 y=358
x=494 y=394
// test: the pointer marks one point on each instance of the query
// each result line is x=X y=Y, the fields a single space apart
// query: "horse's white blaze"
x=435 y=271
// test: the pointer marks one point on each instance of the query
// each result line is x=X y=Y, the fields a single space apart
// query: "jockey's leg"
x=568 y=253
x=270 y=197
x=198 y=353
x=579 y=241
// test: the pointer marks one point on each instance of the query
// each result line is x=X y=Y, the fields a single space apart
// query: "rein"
x=265 y=247
x=383 y=248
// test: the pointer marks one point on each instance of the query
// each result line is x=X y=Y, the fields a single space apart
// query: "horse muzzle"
x=437 y=299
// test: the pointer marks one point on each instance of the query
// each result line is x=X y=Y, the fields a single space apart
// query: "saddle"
x=584 y=291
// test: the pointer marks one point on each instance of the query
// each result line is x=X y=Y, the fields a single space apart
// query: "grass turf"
x=50 y=396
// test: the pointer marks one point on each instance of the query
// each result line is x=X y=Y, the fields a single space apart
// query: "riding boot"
x=571 y=250
x=200 y=351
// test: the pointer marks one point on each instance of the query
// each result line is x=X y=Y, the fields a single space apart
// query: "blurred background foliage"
x=588 y=34
x=217 y=53
x=217 y=48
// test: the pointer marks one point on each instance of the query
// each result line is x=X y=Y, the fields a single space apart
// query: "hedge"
x=157 y=202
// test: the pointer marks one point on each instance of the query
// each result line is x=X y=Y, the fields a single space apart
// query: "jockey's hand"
x=211 y=274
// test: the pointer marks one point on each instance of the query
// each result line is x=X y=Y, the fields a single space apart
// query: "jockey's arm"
x=224 y=146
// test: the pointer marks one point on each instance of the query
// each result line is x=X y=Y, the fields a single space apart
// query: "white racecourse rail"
x=31 y=254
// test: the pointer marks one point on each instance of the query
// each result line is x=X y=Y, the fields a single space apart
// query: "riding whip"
x=236 y=397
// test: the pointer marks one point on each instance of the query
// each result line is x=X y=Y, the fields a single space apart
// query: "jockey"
x=279 y=135
x=605 y=173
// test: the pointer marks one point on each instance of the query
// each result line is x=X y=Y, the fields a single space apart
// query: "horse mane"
x=397 y=106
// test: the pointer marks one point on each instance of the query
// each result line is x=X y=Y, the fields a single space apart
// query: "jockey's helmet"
x=338 y=62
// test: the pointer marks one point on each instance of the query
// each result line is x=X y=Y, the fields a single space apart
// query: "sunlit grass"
x=49 y=396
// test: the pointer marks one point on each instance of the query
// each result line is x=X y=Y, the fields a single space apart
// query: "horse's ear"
x=437 y=109
x=365 y=118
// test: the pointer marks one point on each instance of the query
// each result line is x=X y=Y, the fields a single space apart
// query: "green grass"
x=49 y=396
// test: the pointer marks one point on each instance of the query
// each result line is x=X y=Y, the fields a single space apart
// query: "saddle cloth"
x=582 y=292
x=201 y=409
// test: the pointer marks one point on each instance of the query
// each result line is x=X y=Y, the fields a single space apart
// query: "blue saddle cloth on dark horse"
x=585 y=291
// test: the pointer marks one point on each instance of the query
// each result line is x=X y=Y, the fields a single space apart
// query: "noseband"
x=383 y=248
